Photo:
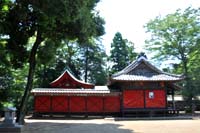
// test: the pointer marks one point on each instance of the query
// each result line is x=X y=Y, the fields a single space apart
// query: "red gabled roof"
x=67 y=80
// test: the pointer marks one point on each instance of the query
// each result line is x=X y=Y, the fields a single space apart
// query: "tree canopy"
x=84 y=61
x=44 y=20
x=176 y=37
x=122 y=52
x=94 y=62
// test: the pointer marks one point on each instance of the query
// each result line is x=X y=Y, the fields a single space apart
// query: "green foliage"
x=194 y=73
x=49 y=22
x=6 y=77
x=72 y=56
x=122 y=52
x=93 y=59
x=18 y=85
x=73 y=19
x=66 y=56
x=176 y=37
x=4 y=9
x=5 y=88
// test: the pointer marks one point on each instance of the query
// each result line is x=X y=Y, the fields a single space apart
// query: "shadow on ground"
x=55 y=127
x=63 y=117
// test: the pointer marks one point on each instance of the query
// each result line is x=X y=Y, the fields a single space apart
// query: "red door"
x=155 y=98
x=133 y=99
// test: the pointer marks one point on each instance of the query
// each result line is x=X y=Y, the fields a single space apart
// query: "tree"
x=66 y=56
x=5 y=78
x=122 y=52
x=10 y=84
x=74 y=61
x=97 y=65
x=193 y=69
x=46 y=59
x=176 y=37
x=93 y=58
x=25 y=19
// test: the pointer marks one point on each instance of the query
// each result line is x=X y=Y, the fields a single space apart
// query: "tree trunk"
x=32 y=63
x=188 y=89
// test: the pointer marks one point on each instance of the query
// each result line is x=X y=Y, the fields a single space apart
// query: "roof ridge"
x=125 y=69
x=72 y=77
x=137 y=62
x=134 y=64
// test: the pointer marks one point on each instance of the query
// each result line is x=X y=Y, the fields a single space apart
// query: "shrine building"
x=138 y=89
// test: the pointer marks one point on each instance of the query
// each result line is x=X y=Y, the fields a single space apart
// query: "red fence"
x=42 y=103
x=59 y=104
x=77 y=104
x=132 y=99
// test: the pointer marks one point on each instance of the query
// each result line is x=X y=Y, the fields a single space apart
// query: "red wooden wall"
x=59 y=104
x=133 y=99
x=42 y=103
x=112 y=104
x=94 y=104
x=77 y=104
x=98 y=104
x=141 y=99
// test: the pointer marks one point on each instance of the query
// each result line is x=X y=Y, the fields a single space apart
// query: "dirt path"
x=112 y=126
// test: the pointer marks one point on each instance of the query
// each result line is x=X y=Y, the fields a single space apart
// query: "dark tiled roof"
x=158 y=77
x=142 y=70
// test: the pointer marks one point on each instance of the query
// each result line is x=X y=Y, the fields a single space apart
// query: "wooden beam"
x=166 y=102
x=173 y=102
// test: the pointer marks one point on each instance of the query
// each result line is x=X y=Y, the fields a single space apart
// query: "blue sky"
x=129 y=16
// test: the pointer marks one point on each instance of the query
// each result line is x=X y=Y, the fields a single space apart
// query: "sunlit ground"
x=111 y=125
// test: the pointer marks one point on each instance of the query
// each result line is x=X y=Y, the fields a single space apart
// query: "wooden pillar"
x=166 y=102
x=173 y=102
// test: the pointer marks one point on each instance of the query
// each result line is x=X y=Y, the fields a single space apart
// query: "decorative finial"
x=142 y=54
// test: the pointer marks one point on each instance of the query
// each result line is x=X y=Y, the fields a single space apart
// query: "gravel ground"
x=111 y=125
